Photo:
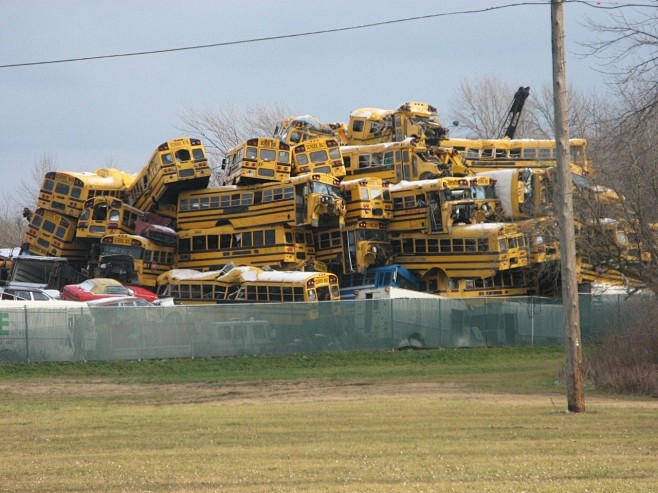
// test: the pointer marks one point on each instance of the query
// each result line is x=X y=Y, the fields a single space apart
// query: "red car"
x=93 y=289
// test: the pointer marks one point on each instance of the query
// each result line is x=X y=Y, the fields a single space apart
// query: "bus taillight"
x=310 y=283
x=195 y=142
x=163 y=147
x=107 y=239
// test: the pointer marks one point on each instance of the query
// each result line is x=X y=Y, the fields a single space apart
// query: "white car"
x=19 y=293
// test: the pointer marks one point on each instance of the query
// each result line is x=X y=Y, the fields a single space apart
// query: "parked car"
x=119 y=301
x=93 y=289
x=16 y=293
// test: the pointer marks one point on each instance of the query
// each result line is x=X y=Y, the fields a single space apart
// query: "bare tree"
x=628 y=147
x=586 y=113
x=628 y=50
x=225 y=127
x=628 y=166
x=481 y=106
x=28 y=190
x=12 y=223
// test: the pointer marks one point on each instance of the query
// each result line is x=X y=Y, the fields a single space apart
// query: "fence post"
x=532 y=320
x=27 y=338
x=392 y=316
x=191 y=332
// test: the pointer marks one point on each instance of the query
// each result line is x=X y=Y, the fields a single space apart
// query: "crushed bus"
x=257 y=160
x=176 y=165
x=133 y=259
x=307 y=200
x=65 y=192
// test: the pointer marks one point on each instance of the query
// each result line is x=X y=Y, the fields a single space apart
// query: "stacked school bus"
x=106 y=222
x=465 y=218
x=437 y=228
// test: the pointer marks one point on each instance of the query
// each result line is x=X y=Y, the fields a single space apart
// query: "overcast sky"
x=116 y=111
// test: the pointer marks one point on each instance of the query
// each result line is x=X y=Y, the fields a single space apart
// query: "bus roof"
x=370 y=112
x=409 y=141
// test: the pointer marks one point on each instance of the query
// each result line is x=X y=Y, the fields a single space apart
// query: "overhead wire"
x=593 y=4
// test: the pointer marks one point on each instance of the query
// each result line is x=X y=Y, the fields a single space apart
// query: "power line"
x=596 y=5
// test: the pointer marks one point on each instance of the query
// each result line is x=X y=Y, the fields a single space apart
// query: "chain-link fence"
x=114 y=333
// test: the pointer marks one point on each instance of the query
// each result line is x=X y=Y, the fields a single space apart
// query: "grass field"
x=477 y=420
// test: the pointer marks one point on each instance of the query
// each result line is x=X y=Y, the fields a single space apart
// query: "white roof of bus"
x=407 y=185
x=242 y=274
x=480 y=226
x=280 y=276
x=382 y=145
x=370 y=179
x=369 y=112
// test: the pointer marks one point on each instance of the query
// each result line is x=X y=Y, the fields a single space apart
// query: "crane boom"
x=514 y=113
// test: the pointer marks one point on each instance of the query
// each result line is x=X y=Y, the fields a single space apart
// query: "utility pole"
x=571 y=318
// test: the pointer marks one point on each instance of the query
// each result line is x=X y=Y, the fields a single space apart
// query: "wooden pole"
x=571 y=320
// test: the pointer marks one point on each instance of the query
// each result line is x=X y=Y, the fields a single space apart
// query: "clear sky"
x=116 y=111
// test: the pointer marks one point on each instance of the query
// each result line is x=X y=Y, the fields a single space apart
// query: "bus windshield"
x=113 y=249
x=371 y=235
x=324 y=189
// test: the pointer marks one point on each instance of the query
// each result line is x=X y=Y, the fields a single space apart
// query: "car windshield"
x=117 y=290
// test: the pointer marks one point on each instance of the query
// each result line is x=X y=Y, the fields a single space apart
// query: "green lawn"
x=471 y=420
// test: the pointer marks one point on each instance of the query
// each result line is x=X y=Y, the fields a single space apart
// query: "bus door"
x=403 y=169
x=435 y=212
x=301 y=203
x=349 y=252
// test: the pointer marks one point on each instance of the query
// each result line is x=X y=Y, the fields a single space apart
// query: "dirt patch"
x=273 y=391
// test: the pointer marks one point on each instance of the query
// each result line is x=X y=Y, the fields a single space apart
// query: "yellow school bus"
x=307 y=200
x=514 y=282
x=319 y=155
x=393 y=161
x=434 y=206
x=361 y=244
x=176 y=165
x=52 y=234
x=367 y=198
x=297 y=129
x=104 y=215
x=65 y=192
x=257 y=160
x=409 y=120
x=274 y=245
x=133 y=259
x=469 y=251
x=487 y=154
x=247 y=285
